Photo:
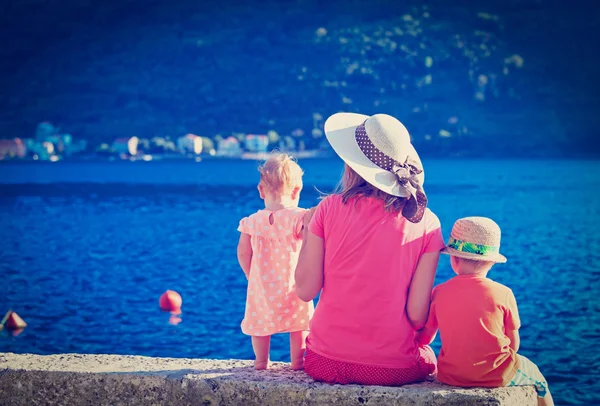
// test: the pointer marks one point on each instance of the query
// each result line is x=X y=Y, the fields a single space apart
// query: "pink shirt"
x=370 y=258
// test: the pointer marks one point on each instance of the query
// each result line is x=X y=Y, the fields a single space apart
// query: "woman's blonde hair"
x=280 y=173
x=353 y=185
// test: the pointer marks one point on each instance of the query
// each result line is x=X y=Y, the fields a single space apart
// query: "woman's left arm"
x=309 y=271
x=419 y=293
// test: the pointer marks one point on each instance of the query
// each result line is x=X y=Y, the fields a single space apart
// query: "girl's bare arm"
x=244 y=253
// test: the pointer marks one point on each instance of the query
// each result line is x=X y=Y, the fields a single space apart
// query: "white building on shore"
x=256 y=143
x=229 y=147
x=190 y=144
x=124 y=146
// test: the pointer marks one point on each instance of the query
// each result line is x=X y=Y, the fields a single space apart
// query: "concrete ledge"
x=73 y=379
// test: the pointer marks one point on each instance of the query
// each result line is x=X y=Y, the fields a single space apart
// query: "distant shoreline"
x=157 y=159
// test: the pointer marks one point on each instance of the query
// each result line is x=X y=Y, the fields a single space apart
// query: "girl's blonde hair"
x=280 y=173
x=353 y=185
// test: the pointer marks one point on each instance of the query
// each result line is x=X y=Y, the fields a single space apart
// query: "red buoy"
x=170 y=301
x=12 y=321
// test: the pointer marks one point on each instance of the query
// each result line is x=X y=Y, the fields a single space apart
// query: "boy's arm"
x=244 y=253
x=512 y=322
x=515 y=340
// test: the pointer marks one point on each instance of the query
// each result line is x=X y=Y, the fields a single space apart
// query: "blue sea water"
x=88 y=247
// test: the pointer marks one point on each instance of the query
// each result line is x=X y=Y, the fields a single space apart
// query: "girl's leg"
x=261 y=345
x=297 y=348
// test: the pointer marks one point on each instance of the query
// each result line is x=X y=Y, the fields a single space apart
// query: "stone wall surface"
x=78 y=379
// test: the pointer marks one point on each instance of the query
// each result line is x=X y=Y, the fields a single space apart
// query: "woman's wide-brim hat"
x=379 y=150
x=476 y=238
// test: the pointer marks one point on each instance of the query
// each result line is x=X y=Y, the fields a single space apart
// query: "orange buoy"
x=170 y=301
x=12 y=321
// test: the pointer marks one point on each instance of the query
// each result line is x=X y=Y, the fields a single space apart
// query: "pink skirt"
x=323 y=369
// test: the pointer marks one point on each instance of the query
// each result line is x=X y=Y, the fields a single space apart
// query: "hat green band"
x=478 y=249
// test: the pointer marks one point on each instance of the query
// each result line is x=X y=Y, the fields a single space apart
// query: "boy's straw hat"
x=475 y=238
x=378 y=149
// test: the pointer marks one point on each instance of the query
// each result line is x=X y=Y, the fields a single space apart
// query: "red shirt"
x=472 y=314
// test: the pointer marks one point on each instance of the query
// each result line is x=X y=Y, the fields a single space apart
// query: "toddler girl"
x=478 y=318
x=268 y=252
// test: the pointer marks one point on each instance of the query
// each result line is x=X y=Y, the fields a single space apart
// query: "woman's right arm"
x=309 y=270
x=419 y=292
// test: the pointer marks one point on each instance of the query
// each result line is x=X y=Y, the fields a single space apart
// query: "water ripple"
x=86 y=254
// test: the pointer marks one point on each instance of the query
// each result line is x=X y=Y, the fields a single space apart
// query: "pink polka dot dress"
x=272 y=305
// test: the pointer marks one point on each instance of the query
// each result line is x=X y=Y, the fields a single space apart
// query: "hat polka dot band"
x=406 y=172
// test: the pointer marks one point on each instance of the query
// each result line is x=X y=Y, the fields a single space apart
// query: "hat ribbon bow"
x=406 y=173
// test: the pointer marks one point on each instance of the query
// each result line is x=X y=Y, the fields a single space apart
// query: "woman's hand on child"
x=308 y=217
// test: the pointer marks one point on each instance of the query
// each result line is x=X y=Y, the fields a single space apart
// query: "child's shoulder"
x=497 y=286
x=501 y=294
x=273 y=224
x=251 y=223
x=460 y=280
x=263 y=214
x=442 y=287
x=289 y=216
x=256 y=215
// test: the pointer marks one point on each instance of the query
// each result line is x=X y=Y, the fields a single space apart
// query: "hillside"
x=470 y=80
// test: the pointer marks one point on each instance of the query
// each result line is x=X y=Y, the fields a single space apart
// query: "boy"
x=478 y=318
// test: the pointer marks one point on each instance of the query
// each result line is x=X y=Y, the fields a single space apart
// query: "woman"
x=372 y=249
